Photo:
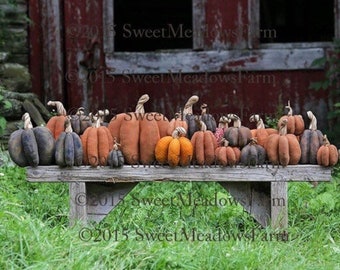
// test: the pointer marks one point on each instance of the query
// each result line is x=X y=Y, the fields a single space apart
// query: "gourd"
x=56 y=124
x=283 y=148
x=175 y=149
x=310 y=141
x=327 y=154
x=253 y=154
x=261 y=133
x=296 y=124
x=177 y=121
x=80 y=121
x=69 y=149
x=138 y=133
x=97 y=142
x=115 y=158
x=204 y=143
x=237 y=135
x=222 y=127
x=207 y=118
x=189 y=117
x=31 y=146
x=227 y=155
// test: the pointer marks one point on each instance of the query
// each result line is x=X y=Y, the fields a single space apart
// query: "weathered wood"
x=108 y=26
x=212 y=61
x=78 y=211
x=279 y=204
x=102 y=198
x=139 y=173
x=198 y=24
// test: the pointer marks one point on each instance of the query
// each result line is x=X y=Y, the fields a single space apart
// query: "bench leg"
x=279 y=205
x=78 y=211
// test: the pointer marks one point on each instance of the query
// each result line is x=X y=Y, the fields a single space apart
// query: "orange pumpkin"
x=327 y=154
x=283 y=148
x=296 y=124
x=56 y=124
x=138 y=133
x=204 y=143
x=97 y=143
x=227 y=155
x=261 y=133
x=177 y=121
x=175 y=149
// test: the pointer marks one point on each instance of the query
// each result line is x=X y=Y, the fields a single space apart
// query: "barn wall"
x=88 y=82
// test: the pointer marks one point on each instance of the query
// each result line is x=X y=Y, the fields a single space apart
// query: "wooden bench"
x=262 y=191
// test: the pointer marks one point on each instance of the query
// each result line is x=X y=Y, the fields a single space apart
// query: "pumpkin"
x=189 y=117
x=80 y=121
x=69 y=150
x=207 y=118
x=310 y=141
x=227 y=155
x=175 y=149
x=31 y=146
x=327 y=154
x=283 y=148
x=138 y=133
x=253 y=154
x=295 y=125
x=204 y=143
x=261 y=133
x=97 y=142
x=177 y=121
x=115 y=158
x=222 y=126
x=56 y=124
x=237 y=135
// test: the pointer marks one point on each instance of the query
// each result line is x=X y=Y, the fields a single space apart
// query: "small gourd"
x=115 y=158
x=174 y=150
x=80 y=121
x=237 y=135
x=261 y=133
x=56 y=124
x=253 y=154
x=296 y=124
x=69 y=149
x=327 y=154
x=310 y=141
x=177 y=121
x=227 y=155
x=31 y=146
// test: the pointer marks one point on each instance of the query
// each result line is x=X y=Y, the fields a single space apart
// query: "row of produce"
x=145 y=138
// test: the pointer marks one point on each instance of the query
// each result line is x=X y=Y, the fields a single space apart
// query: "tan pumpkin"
x=310 y=142
x=237 y=135
x=283 y=148
x=227 y=155
x=97 y=143
x=204 y=143
x=175 y=149
x=56 y=124
x=327 y=154
x=138 y=133
x=296 y=124
x=261 y=133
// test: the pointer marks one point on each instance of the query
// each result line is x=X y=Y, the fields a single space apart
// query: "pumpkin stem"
x=223 y=122
x=27 y=121
x=95 y=120
x=236 y=119
x=224 y=142
x=188 y=106
x=116 y=145
x=253 y=141
x=325 y=140
x=101 y=114
x=80 y=111
x=200 y=124
x=258 y=120
x=290 y=109
x=313 y=121
x=204 y=108
x=283 y=127
x=178 y=132
x=59 y=106
x=68 y=126
x=140 y=104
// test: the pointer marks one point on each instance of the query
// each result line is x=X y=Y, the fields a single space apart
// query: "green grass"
x=34 y=232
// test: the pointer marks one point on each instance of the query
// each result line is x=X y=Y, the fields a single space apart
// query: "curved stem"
x=59 y=106
x=188 y=106
x=236 y=119
x=283 y=127
x=68 y=126
x=140 y=104
x=179 y=131
x=223 y=122
x=27 y=121
x=313 y=121
x=325 y=140
x=204 y=108
x=290 y=109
